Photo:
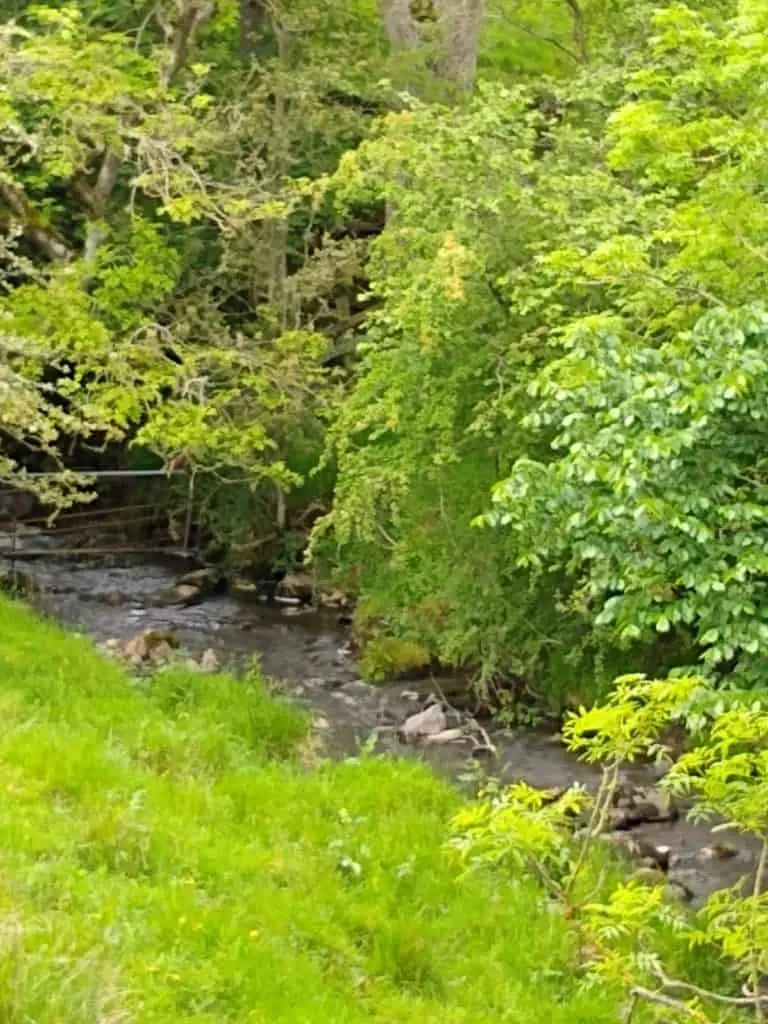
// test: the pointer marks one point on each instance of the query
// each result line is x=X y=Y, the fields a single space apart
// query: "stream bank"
x=306 y=651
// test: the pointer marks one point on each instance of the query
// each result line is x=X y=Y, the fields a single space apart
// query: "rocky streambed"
x=306 y=650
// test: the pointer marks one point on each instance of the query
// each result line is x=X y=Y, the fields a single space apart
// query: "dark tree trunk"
x=253 y=22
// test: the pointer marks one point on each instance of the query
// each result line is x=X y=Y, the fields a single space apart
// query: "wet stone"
x=716 y=852
x=209 y=662
x=677 y=892
x=424 y=723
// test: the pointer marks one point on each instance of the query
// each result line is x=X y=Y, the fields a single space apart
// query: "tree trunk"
x=403 y=31
x=180 y=32
x=253 y=21
x=460 y=23
x=30 y=222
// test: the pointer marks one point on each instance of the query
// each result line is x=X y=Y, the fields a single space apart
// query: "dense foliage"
x=572 y=317
x=382 y=261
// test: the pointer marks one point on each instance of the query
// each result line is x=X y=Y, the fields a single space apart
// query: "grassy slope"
x=163 y=858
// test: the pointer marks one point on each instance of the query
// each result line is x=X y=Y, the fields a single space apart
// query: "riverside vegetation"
x=461 y=304
x=175 y=848
x=167 y=854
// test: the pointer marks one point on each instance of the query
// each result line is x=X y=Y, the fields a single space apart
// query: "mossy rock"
x=387 y=658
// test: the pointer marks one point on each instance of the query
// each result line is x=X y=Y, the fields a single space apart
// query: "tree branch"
x=96 y=197
x=650 y=996
x=545 y=39
x=579 y=31
x=180 y=34
x=33 y=228
x=105 y=182
x=703 y=993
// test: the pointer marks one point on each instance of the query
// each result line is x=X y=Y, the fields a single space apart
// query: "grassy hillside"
x=166 y=855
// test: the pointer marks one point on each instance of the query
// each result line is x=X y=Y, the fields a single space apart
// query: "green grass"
x=166 y=855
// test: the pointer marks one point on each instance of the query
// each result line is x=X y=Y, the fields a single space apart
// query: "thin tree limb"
x=96 y=197
x=629 y=1010
x=579 y=31
x=180 y=34
x=519 y=27
x=640 y=992
x=32 y=226
x=703 y=993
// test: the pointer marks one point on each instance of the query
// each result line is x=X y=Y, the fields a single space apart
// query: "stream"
x=307 y=653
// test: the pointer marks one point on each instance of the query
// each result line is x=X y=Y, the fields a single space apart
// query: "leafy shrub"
x=630 y=935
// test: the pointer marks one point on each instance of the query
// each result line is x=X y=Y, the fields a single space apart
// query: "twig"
x=640 y=992
x=755 y=971
x=629 y=1010
x=486 y=738
x=597 y=818
x=545 y=39
x=579 y=30
x=703 y=993
x=143 y=27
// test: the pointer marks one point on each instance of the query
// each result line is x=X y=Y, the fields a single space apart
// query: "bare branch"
x=703 y=993
x=96 y=197
x=519 y=27
x=658 y=997
x=105 y=182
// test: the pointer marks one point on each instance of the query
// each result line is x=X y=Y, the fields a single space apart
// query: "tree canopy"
x=484 y=280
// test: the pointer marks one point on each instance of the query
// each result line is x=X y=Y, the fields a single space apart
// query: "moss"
x=389 y=657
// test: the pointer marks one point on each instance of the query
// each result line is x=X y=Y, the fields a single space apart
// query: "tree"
x=137 y=184
x=655 y=496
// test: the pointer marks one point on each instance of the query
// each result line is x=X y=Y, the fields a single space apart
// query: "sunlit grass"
x=166 y=855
